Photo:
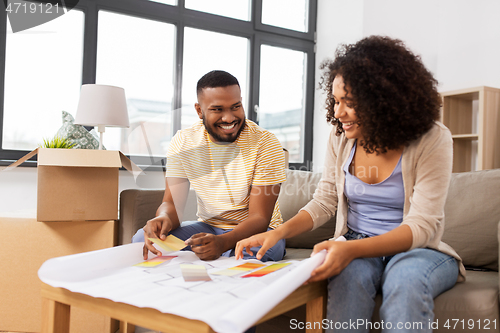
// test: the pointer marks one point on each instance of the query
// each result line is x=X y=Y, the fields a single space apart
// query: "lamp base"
x=101 y=129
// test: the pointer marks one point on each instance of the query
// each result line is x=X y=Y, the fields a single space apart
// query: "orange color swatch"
x=266 y=270
x=238 y=269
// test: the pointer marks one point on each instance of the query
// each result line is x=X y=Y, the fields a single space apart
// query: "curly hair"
x=394 y=96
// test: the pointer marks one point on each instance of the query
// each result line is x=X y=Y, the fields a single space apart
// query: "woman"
x=386 y=175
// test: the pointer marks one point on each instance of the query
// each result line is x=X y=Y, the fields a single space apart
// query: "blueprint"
x=223 y=302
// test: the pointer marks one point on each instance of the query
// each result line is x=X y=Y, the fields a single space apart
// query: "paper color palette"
x=266 y=270
x=247 y=266
x=155 y=261
x=192 y=273
x=239 y=269
x=170 y=244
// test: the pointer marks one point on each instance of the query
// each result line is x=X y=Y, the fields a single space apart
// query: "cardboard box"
x=77 y=184
x=26 y=245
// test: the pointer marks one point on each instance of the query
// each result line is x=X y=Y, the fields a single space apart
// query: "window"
x=41 y=83
x=288 y=14
x=137 y=54
x=230 y=8
x=281 y=106
x=157 y=50
x=168 y=2
x=205 y=51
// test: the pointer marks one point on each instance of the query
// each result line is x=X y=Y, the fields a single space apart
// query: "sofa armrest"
x=139 y=206
x=136 y=208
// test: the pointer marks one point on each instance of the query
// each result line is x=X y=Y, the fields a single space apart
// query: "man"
x=235 y=168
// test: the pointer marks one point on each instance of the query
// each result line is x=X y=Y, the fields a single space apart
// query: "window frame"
x=181 y=17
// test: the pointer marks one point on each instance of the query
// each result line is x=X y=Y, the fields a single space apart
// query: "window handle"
x=256 y=109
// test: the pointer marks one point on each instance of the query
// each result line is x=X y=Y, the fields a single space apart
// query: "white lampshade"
x=101 y=106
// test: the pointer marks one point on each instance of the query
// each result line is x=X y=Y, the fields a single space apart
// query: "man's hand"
x=206 y=246
x=158 y=227
x=265 y=239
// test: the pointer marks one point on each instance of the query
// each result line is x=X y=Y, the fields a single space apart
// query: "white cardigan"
x=426 y=167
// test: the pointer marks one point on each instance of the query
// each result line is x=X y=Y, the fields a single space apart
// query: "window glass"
x=168 y=2
x=237 y=9
x=288 y=14
x=282 y=106
x=43 y=70
x=138 y=55
x=205 y=51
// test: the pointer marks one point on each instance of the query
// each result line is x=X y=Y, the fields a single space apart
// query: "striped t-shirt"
x=222 y=174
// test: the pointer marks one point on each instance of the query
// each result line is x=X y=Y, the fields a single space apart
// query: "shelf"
x=465 y=155
x=473 y=117
x=465 y=137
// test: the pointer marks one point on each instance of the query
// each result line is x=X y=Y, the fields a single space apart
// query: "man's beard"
x=220 y=138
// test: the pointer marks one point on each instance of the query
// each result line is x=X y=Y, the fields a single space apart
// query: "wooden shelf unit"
x=473 y=117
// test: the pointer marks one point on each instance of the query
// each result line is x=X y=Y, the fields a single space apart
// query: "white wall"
x=339 y=22
x=458 y=40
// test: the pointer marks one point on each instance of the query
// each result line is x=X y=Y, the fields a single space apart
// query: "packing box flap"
x=79 y=158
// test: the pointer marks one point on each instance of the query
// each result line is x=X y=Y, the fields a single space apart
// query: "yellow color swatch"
x=170 y=244
x=155 y=261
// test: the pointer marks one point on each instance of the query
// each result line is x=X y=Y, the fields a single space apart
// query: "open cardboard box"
x=77 y=184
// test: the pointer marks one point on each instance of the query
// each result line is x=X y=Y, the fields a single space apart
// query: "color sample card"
x=247 y=266
x=155 y=261
x=238 y=269
x=170 y=244
x=192 y=273
x=266 y=270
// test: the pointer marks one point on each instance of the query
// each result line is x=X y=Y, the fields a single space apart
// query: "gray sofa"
x=472 y=227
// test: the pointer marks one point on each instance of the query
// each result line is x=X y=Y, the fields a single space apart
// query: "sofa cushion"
x=474 y=301
x=297 y=253
x=472 y=212
x=295 y=193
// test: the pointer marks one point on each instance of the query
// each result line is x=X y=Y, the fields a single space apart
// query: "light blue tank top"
x=374 y=209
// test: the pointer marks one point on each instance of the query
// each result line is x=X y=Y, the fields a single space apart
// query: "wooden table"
x=57 y=303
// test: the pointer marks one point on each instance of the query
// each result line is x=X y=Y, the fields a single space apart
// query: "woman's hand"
x=338 y=256
x=266 y=239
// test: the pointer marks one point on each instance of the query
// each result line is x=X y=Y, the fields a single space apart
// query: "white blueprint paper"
x=227 y=303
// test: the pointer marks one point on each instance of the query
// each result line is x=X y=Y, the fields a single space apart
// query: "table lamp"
x=101 y=106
